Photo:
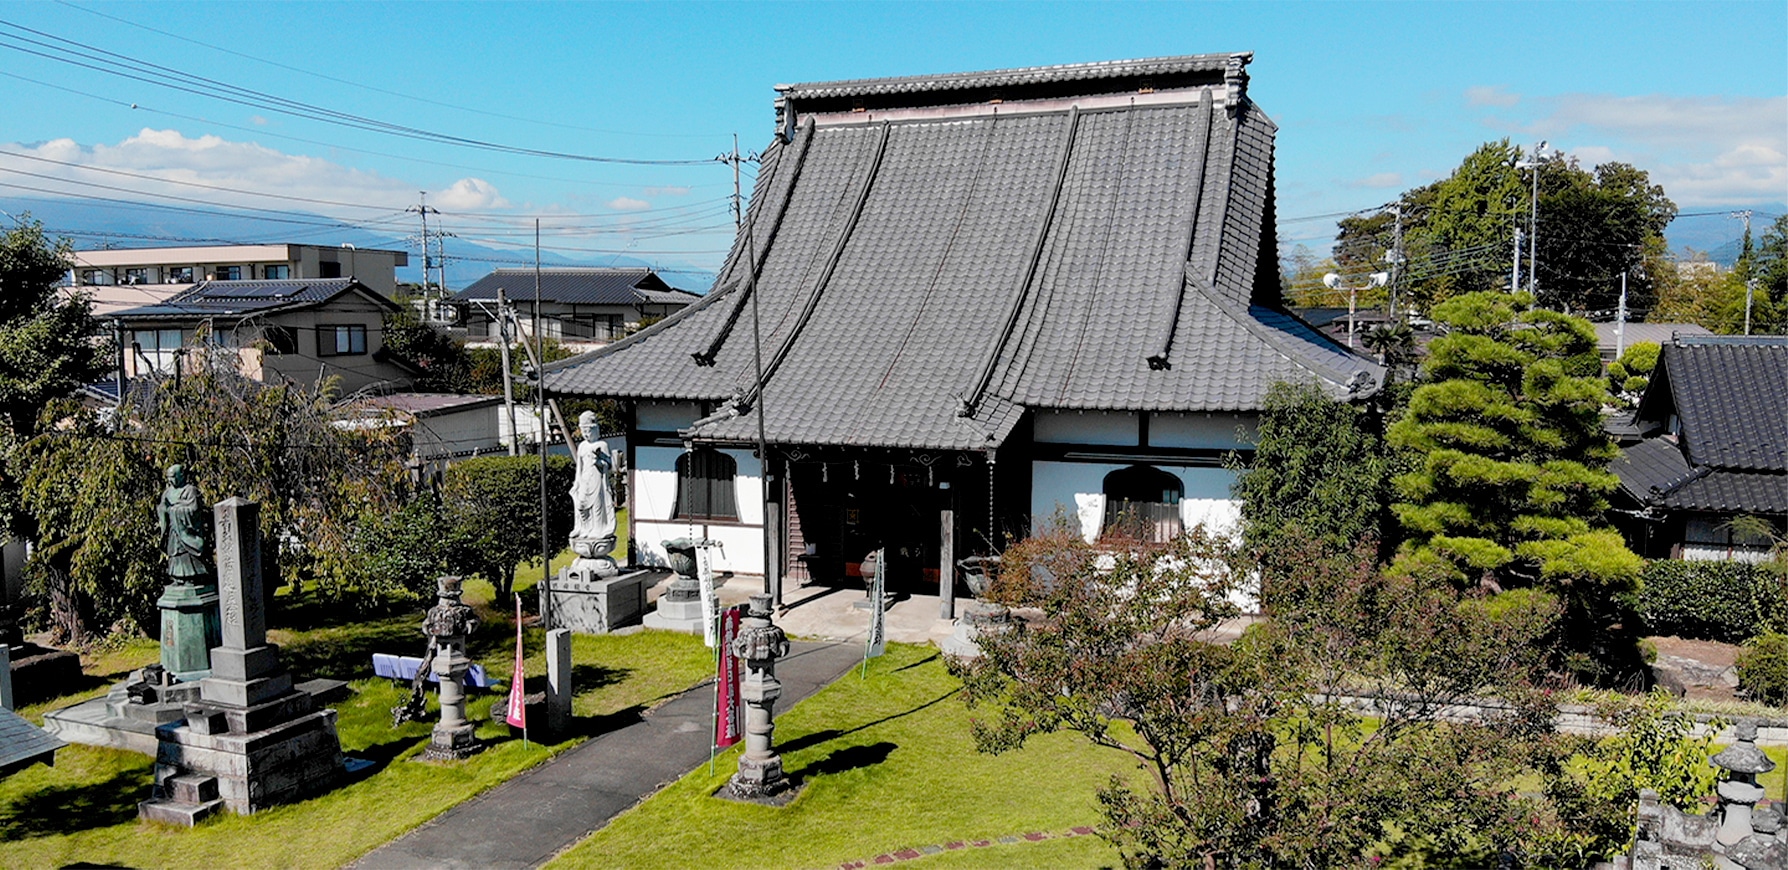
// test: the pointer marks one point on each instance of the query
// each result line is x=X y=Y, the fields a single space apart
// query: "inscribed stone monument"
x=252 y=740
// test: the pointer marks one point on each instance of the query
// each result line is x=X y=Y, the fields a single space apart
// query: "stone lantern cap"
x=1744 y=756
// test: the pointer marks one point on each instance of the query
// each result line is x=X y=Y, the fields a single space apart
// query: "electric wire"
x=126 y=66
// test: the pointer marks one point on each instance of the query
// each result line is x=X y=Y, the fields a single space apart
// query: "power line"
x=324 y=144
x=126 y=66
x=362 y=85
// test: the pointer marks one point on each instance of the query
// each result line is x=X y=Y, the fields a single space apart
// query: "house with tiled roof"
x=579 y=305
x=1714 y=429
x=297 y=329
x=963 y=305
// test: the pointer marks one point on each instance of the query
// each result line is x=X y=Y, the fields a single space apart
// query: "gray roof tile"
x=212 y=298
x=578 y=286
x=1731 y=396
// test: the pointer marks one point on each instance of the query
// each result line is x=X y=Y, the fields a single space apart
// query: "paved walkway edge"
x=541 y=812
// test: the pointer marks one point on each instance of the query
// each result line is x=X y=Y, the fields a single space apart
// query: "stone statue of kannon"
x=593 y=526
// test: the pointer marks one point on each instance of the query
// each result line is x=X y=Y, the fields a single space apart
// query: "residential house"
x=1714 y=429
x=119 y=278
x=445 y=427
x=1613 y=339
x=581 y=307
x=986 y=300
x=294 y=329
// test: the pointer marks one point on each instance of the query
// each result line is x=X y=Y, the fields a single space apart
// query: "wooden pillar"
x=946 y=554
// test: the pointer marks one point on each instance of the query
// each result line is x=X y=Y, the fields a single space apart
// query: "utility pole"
x=1537 y=160
x=503 y=321
x=1515 y=273
x=422 y=208
x=1395 y=255
x=1620 y=320
x=772 y=522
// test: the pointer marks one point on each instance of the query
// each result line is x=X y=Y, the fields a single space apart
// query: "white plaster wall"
x=1076 y=489
x=655 y=497
x=665 y=416
x=1209 y=431
x=1088 y=427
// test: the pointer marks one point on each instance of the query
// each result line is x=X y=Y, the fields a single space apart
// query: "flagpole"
x=714 y=708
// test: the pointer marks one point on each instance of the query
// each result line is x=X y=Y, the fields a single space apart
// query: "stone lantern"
x=447 y=625
x=759 y=643
x=1739 y=791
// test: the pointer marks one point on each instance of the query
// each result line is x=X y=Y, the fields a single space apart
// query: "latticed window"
x=705 y=486
x=1143 y=502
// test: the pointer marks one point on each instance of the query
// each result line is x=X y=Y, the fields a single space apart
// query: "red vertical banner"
x=729 y=726
x=518 y=704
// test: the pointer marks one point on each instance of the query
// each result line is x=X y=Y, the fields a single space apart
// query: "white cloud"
x=1378 y=180
x=667 y=191
x=236 y=172
x=1704 y=150
x=1490 y=95
x=628 y=203
x=470 y=194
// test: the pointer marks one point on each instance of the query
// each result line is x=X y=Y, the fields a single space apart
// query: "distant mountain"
x=98 y=225
x=1721 y=238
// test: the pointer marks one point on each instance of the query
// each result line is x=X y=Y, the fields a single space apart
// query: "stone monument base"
x=456 y=743
x=126 y=717
x=758 y=778
x=40 y=673
x=680 y=606
x=591 y=604
x=207 y=762
x=978 y=618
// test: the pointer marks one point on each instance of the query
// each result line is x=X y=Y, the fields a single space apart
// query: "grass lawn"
x=84 y=809
x=888 y=764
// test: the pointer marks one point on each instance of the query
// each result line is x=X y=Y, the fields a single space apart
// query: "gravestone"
x=558 y=680
x=251 y=740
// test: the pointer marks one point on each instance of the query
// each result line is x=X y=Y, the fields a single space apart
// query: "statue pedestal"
x=978 y=618
x=679 y=606
x=587 y=601
x=189 y=629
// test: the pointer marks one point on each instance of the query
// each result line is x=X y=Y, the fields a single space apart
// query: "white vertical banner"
x=878 y=586
x=704 y=572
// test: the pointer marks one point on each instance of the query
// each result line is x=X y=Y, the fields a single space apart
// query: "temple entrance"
x=843 y=511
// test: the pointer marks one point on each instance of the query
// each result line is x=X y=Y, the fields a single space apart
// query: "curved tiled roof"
x=911 y=270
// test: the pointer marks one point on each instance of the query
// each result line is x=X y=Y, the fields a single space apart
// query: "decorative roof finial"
x=1235 y=79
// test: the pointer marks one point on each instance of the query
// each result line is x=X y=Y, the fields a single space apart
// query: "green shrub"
x=1763 y=668
x=1723 y=601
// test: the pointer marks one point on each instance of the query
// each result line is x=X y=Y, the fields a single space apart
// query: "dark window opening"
x=341 y=340
x=705 y=486
x=1143 y=502
x=227 y=273
x=281 y=339
x=274 y=273
x=327 y=269
x=180 y=275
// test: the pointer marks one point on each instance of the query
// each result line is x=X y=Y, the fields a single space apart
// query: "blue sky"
x=1371 y=98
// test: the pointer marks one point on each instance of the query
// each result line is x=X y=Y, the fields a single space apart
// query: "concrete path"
x=527 y=820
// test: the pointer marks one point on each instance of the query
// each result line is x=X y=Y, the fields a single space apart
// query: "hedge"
x=1723 y=601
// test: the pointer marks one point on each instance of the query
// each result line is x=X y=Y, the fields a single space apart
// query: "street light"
x=1333 y=282
x=1539 y=157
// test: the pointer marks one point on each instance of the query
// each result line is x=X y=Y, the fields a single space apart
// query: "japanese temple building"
x=978 y=301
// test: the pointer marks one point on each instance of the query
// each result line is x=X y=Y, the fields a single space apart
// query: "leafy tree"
x=446 y=366
x=1769 y=264
x=1512 y=479
x=1458 y=232
x=1716 y=300
x=494 y=503
x=1318 y=739
x=91 y=485
x=1629 y=375
x=1321 y=470
x=1302 y=273
x=48 y=346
